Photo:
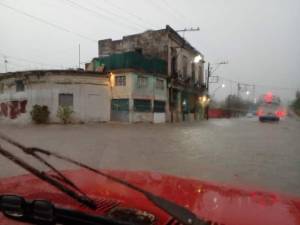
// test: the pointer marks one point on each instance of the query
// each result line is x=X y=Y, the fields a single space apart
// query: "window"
x=120 y=105
x=20 y=86
x=142 y=105
x=66 y=100
x=200 y=74
x=1 y=88
x=193 y=73
x=159 y=106
x=120 y=80
x=139 y=50
x=184 y=66
x=142 y=81
x=160 y=84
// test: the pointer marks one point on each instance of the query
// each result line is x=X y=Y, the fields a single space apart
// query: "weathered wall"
x=132 y=91
x=152 y=43
x=157 y=44
x=142 y=117
x=90 y=97
x=159 y=118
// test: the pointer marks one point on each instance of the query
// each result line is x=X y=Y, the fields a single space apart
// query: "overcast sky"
x=259 y=38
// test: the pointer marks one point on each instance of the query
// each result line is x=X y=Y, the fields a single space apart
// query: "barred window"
x=142 y=82
x=160 y=84
x=120 y=80
x=142 y=105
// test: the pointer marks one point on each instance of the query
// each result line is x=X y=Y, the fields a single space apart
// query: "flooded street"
x=242 y=152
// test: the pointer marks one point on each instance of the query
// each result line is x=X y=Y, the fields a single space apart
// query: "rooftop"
x=173 y=35
x=50 y=72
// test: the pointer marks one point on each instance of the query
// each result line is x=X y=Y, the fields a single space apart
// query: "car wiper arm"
x=28 y=151
x=83 y=199
x=45 y=212
x=180 y=213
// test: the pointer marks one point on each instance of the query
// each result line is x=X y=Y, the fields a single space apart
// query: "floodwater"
x=241 y=152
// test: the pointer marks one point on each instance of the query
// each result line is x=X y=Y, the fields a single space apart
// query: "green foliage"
x=64 y=113
x=40 y=114
x=296 y=104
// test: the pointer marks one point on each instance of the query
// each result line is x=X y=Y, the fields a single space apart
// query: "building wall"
x=132 y=91
x=90 y=97
x=152 y=43
x=159 y=44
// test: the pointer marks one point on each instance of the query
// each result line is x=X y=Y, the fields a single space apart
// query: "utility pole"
x=207 y=88
x=254 y=97
x=79 y=56
x=238 y=89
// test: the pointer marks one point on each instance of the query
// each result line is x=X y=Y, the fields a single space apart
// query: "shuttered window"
x=142 y=105
x=120 y=105
x=159 y=106
x=65 y=100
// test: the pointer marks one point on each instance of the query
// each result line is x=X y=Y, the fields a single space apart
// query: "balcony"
x=131 y=60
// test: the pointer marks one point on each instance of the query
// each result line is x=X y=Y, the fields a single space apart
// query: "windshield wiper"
x=44 y=212
x=59 y=181
x=180 y=213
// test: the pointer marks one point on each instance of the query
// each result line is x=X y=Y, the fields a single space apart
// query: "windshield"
x=180 y=106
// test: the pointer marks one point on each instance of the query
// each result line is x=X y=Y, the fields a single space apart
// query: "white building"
x=124 y=95
x=87 y=93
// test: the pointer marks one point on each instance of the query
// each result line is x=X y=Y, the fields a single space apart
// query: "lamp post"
x=210 y=71
x=219 y=87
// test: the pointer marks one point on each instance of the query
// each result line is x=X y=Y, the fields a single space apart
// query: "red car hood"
x=219 y=204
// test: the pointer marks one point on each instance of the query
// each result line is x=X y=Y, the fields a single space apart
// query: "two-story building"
x=169 y=57
x=138 y=86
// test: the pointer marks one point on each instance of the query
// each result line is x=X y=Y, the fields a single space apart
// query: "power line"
x=176 y=12
x=29 y=61
x=119 y=15
x=257 y=85
x=41 y=20
x=128 y=12
x=82 y=7
x=160 y=8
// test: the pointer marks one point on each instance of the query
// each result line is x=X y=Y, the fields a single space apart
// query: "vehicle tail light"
x=280 y=113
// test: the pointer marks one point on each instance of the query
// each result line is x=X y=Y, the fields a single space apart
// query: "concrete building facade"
x=185 y=76
x=87 y=93
x=138 y=97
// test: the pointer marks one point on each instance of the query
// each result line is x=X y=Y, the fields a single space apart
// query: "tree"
x=296 y=103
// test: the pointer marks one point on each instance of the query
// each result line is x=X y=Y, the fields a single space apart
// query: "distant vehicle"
x=270 y=108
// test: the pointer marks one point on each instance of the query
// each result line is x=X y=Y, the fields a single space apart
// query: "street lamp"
x=247 y=92
x=197 y=58
x=210 y=71
x=221 y=86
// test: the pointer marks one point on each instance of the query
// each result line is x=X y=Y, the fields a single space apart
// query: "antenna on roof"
x=188 y=30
